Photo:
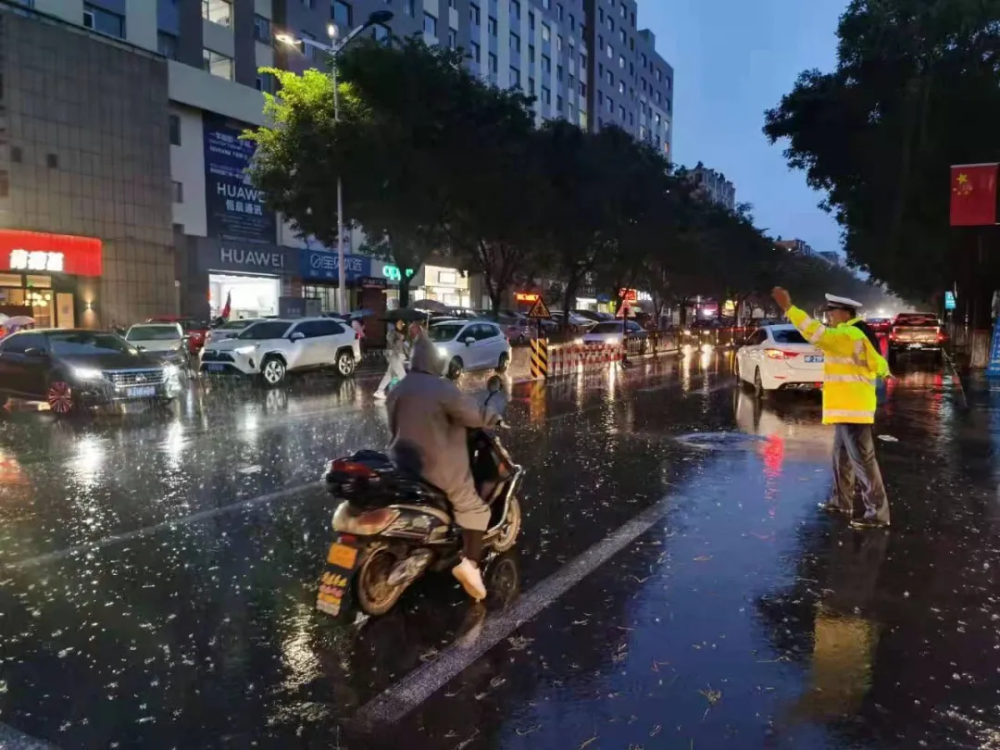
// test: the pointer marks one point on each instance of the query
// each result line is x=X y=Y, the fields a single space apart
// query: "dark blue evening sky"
x=732 y=60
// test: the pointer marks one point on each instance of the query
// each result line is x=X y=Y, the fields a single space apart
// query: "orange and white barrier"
x=572 y=358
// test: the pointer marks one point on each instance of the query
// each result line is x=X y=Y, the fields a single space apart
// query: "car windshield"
x=153 y=333
x=607 y=328
x=89 y=342
x=788 y=336
x=270 y=329
x=235 y=325
x=444 y=331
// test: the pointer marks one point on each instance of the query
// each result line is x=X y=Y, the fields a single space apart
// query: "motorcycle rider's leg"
x=473 y=516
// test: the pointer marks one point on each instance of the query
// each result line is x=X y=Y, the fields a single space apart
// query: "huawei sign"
x=55 y=253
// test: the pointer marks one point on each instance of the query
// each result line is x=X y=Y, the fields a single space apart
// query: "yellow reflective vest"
x=850 y=367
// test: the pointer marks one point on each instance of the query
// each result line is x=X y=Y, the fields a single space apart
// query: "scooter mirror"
x=494 y=384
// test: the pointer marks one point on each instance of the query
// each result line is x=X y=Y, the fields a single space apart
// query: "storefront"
x=50 y=277
x=320 y=273
x=252 y=277
x=449 y=286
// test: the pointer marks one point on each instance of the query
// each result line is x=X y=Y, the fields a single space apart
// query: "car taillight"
x=351 y=468
x=780 y=354
x=941 y=336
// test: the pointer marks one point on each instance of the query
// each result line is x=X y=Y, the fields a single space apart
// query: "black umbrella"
x=406 y=315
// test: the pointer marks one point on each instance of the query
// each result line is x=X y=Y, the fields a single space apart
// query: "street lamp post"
x=332 y=51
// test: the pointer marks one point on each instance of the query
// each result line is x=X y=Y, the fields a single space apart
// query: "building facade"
x=714 y=186
x=795 y=246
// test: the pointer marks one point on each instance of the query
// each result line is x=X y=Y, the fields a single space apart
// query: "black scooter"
x=392 y=527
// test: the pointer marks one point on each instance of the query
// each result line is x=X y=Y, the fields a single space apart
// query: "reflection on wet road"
x=159 y=577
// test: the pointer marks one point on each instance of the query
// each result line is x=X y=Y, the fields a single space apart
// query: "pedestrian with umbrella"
x=851 y=366
x=395 y=352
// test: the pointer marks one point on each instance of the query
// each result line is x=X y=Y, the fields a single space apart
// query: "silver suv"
x=271 y=349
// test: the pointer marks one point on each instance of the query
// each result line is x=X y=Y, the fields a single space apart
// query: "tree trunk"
x=404 y=289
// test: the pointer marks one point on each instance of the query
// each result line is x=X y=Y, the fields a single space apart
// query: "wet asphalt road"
x=159 y=570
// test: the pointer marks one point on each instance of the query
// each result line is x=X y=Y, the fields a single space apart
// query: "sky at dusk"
x=732 y=60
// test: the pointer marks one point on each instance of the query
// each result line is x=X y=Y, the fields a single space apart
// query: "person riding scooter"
x=429 y=418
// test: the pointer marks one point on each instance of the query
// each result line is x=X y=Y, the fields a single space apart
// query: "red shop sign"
x=32 y=252
x=526 y=296
x=629 y=295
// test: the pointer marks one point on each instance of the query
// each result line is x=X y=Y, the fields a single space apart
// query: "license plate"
x=214 y=368
x=814 y=358
x=342 y=556
x=142 y=392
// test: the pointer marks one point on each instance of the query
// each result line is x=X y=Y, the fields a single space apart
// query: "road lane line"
x=158 y=527
x=11 y=739
x=415 y=688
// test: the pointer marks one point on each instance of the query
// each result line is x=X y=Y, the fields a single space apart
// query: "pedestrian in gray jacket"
x=395 y=353
x=430 y=418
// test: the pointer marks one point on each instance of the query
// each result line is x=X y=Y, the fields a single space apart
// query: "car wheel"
x=346 y=364
x=455 y=368
x=758 y=384
x=736 y=370
x=273 y=371
x=60 y=397
x=504 y=362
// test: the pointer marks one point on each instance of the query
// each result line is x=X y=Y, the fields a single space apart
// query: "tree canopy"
x=916 y=89
x=437 y=163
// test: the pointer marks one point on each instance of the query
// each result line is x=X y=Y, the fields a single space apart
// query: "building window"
x=531 y=86
x=531 y=53
x=178 y=191
x=4 y=184
x=261 y=29
x=583 y=119
x=546 y=64
x=515 y=9
x=546 y=4
x=265 y=83
x=559 y=11
x=546 y=33
x=491 y=26
x=572 y=22
x=611 y=24
x=656 y=96
x=493 y=64
x=175 y=130
x=515 y=43
x=474 y=14
x=546 y=95
x=624 y=11
x=644 y=59
x=410 y=7
x=103 y=21
x=611 y=53
x=559 y=72
x=621 y=87
x=515 y=78
x=52 y=161
x=623 y=36
x=531 y=20
x=583 y=89
x=474 y=51
x=341 y=14
x=611 y=78
x=430 y=25
x=166 y=45
x=381 y=34
x=217 y=11
x=218 y=65
x=452 y=39
x=621 y=112
x=621 y=61
x=631 y=70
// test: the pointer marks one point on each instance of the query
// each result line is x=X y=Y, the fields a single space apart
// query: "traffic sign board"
x=539 y=310
x=625 y=311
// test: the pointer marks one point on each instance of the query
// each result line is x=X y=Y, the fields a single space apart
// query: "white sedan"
x=470 y=345
x=779 y=358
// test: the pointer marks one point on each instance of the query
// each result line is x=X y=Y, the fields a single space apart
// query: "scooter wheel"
x=371 y=585
x=509 y=532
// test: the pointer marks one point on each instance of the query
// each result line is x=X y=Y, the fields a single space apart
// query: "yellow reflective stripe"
x=849 y=379
x=839 y=360
x=814 y=334
x=848 y=412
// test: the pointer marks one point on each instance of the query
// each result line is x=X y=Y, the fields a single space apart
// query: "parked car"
x=916 y=332
x=590 y=315
x=228 y=330
x=614 y=332
x=778 y=357
x=193 y=328
x=576 y=323
x=74 y=369
x=473 y=345
x=880 y=325
x=271 y=349
x=165 y=341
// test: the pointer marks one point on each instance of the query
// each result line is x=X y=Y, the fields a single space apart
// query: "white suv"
x=273 y=348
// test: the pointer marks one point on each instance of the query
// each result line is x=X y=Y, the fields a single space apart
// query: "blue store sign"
x=323 y=265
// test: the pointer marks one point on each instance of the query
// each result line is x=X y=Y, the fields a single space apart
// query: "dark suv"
x=72 y=369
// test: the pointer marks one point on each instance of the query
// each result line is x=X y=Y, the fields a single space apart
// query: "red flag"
x=973 y=195
x=229 y=304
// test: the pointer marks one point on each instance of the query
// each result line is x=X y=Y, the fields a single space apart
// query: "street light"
x=377 y=18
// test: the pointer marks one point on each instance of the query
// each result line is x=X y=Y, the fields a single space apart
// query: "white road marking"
x=414 y=689
x=157 y=528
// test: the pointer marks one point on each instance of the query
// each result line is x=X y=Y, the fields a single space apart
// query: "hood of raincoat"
x=424 y=357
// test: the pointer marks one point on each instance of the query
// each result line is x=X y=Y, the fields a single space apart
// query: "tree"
x=915 y=90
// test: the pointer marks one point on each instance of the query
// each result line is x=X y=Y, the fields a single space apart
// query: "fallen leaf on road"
x=655 y=730
x=888 y=439
x=591 y=741
x=529 y=730
x=703 y=558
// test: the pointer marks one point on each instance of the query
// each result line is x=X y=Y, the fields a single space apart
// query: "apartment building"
x=795 y=246
x=714 y=186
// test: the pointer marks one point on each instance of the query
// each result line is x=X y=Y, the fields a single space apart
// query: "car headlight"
x=245 y=349
x=87 y=373
x=442 y=351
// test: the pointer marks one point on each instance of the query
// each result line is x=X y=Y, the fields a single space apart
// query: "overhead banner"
x=234 y=208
